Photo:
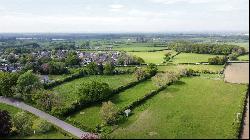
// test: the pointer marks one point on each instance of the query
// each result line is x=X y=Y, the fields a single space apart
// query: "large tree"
x=22 y=123
x=27 y=83
x=7 y=83
x=108 y=68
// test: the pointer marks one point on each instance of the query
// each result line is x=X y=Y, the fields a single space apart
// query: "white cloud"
x=116 y=7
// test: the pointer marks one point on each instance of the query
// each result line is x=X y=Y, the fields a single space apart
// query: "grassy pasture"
x=213 y=68
x=192 y=58
x=91 y=116
x=192 y=108
x=244 y=57
x=153 y=57
x=67 y=90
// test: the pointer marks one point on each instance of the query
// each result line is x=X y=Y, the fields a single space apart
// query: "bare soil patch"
x=237 y=73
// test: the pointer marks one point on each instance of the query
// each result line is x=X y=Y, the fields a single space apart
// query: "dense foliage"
x=109 y=112
x=5 y=123
x=201 y=48
x=217 y=60
x=7 y=83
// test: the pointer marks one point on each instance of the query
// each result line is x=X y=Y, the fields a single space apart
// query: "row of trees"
x=201 y=48
x=217 y=60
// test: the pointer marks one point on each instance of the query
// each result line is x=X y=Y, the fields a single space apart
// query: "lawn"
x=212 y=68
x=244 y=57
x=153 y=57
x=192 y=58
x=67 y=90
x=90 y=116
x=192 y=108
x=50 y=135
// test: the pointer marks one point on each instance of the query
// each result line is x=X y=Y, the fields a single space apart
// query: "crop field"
x=237 y=73
x=192 y=108
x=67 y=90
x=153 y=57
x=90 y=116
x=244 y=57
x=53 y=134
x=192 y=58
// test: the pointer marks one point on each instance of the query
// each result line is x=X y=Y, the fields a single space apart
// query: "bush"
x=217 y=60
x=140 y=74
x=151 y=69
x=5 y=121
x=92 y=68
x=109 y=112
x=108 y=69
x=22 y=123
x=42 y=126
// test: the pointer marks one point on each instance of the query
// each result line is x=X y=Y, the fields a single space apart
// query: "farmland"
x=192 y=58
x=192 y=108
x=91 y=116
x=244 y=57
x=153 y=57
x=67 y=90
x=237 y=73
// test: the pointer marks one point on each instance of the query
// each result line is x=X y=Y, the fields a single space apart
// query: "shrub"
x=5 y=121
x=108 y=69
x=140 y=74
x=92 y=68
x=109 y=112
x=151 y=69
x=41 y=126
x=22 y=123
x=217 y=60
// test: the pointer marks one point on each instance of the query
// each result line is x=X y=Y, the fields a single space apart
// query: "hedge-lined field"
x=192 y=108
x=200 y=68
x=244 y=57
x=53 y=134
x=90 y=116
x=153 y=57
x=192 y=58
x=68 y=89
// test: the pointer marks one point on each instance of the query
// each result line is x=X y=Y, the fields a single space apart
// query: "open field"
x=91 y=116
x=53 y=134
x=192 y=58
x=212 y=68
x=244 y=57
x=192 y=108
x=237 y=73
x=141 y=47
x=67 y=90
x=153 y=57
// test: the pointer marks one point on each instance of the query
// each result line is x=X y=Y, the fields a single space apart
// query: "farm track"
x=59 y=123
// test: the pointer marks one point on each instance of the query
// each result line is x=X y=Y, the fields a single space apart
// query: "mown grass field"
x=192 y=108
x=68 y=90
x=153 y=57
x=192 y=58
x=212 y=68
x=90 y=116
x=50 y=135
x=244 y=57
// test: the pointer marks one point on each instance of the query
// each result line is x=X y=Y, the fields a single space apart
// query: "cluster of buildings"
x=85 y=57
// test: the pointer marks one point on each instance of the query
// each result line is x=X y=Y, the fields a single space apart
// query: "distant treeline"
x=202 y=48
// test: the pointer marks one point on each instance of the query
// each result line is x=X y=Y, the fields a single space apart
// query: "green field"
x=153 y=57
x=244 y=57
x=90 y=116
x=192 y=58
x=52 y=135
x=67 y=90
x=200 y=68
x=192 y=108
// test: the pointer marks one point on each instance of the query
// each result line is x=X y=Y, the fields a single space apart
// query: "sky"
x=108 y=16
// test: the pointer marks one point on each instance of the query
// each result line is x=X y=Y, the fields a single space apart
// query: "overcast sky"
x=123 y=15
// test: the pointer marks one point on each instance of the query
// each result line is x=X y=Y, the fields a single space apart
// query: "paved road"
x=61 y=124
x=245 y=133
